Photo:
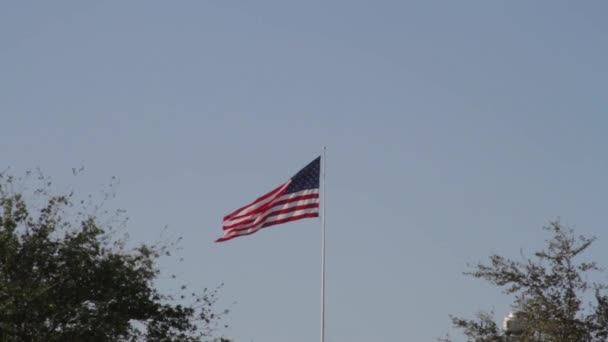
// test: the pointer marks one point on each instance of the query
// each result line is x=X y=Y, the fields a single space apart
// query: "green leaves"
x=549 y=290
x=63 y=279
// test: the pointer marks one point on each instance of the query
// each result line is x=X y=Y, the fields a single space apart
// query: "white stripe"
x=260 y=216
x=233 y=232
x=299 y=193
x=232 y=222
x=228 y=223
x=263 y=219
x=261 y=203
x=291 y=213
x=293 y=204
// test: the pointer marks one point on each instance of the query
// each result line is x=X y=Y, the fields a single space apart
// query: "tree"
x=550 y=290
x=64 y=278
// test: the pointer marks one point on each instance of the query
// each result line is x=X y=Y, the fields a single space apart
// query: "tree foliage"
x=64 y=278
x=552 y=292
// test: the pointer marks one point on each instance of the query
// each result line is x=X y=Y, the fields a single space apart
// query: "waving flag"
x=296 y=199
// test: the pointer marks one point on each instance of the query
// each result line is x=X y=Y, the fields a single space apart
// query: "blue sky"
x=455 y=129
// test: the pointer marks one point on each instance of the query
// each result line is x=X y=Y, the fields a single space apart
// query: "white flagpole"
x=323 y=251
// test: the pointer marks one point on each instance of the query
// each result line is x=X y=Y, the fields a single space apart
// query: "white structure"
x=514 y=327
x=513 y=324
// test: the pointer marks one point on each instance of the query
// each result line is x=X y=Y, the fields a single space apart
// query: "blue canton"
x=307 y=178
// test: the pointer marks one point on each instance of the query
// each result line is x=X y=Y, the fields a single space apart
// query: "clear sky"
x=455 y=129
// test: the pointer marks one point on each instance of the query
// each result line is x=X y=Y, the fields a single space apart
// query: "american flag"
x=295 y=199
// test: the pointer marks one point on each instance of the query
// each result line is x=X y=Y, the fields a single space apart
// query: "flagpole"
x=323 y=252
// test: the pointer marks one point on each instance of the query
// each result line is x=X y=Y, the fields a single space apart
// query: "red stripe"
x=293 y=218
x=296 y=208
x=289 y=219
x=270 y=214
x=272 y=204
x=259 y=199
x=266 y=208
x=299 y=198
x=222 y=239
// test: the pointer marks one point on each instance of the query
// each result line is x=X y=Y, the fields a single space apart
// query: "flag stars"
x=307 y=178
x=296 y=199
